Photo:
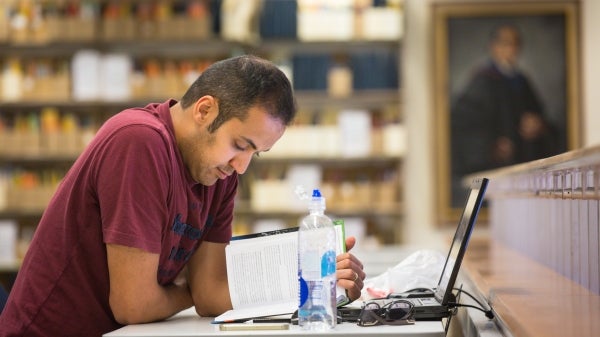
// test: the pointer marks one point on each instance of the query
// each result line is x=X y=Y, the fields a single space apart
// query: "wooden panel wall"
x=549 y=210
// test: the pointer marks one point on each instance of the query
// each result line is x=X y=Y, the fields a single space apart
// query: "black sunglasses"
x=398 y=312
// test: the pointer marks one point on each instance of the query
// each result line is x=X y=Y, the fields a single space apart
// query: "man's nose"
x=241 y=162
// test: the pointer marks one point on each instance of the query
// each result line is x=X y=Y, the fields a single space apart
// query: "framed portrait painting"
x=506 y=89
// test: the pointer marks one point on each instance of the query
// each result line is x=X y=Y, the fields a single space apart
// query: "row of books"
x=31 y=190
x=369 y=70
x=91 y=75
x=47 y=133
x=328 y=133
x=347 y=189
x=41 y=21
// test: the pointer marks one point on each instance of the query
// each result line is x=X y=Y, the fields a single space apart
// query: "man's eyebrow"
x=249 y=141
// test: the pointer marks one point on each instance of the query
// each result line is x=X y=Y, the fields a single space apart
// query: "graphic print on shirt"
x=183 y=239
x=184 y=246
x=180 y=253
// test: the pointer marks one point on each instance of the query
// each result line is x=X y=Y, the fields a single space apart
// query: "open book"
x=262 y=270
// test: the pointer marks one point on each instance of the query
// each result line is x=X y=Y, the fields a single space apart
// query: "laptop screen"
x=461 y=239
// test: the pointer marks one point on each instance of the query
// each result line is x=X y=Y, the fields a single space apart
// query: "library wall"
x=67 y=66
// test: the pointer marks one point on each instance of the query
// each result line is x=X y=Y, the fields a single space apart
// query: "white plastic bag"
x=421 y=269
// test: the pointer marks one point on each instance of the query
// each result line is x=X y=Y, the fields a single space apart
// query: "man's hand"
x=531 y=127
x=350 y=274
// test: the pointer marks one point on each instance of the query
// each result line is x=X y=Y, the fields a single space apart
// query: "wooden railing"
x=549 y=210
x=540 y=266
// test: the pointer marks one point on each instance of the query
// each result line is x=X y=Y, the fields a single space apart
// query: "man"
x=137 y=230
x=498 y=119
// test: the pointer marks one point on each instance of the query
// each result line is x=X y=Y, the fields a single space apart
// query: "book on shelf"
x=262 y=271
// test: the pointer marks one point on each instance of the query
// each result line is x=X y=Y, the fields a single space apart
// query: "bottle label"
x=309 y=265
x=312 y=273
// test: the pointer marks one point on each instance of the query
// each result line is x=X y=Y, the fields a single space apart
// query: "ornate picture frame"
x=548 y=52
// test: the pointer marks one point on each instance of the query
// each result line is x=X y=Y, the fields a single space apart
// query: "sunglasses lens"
x=398 y=310
x=369 y=314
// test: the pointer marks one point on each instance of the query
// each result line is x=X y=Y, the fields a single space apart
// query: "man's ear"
x=204 y=108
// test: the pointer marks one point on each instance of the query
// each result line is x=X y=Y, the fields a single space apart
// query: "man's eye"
x=238 y=147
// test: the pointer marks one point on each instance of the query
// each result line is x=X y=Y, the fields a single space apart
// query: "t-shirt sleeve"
x=132 y=184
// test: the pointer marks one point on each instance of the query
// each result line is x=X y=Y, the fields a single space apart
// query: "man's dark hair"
x=241 y=82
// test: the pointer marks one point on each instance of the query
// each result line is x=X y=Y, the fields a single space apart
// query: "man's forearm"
x=212 y=300
x=208 y=279
x=152 y=304
x=135 y=295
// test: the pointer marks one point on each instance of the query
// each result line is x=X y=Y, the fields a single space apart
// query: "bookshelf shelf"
x=248 y=211
x=362 y=99
x=192 y=47
x=331 y=161
x=359 y=99
x=32 y=214
x=38 y=160
x=374 y=160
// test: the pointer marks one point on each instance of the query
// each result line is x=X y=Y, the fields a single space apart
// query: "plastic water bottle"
x=316 y=268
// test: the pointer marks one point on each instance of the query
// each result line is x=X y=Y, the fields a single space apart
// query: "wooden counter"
x=528 y=298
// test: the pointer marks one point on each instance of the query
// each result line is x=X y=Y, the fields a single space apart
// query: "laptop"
x=435 y=304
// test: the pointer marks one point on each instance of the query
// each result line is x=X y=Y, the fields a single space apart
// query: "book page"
x=263 y=270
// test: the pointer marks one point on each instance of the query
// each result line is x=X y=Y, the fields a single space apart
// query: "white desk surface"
x=187 y=323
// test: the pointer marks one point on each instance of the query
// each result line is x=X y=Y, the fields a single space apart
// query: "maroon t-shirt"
x=129 y=187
